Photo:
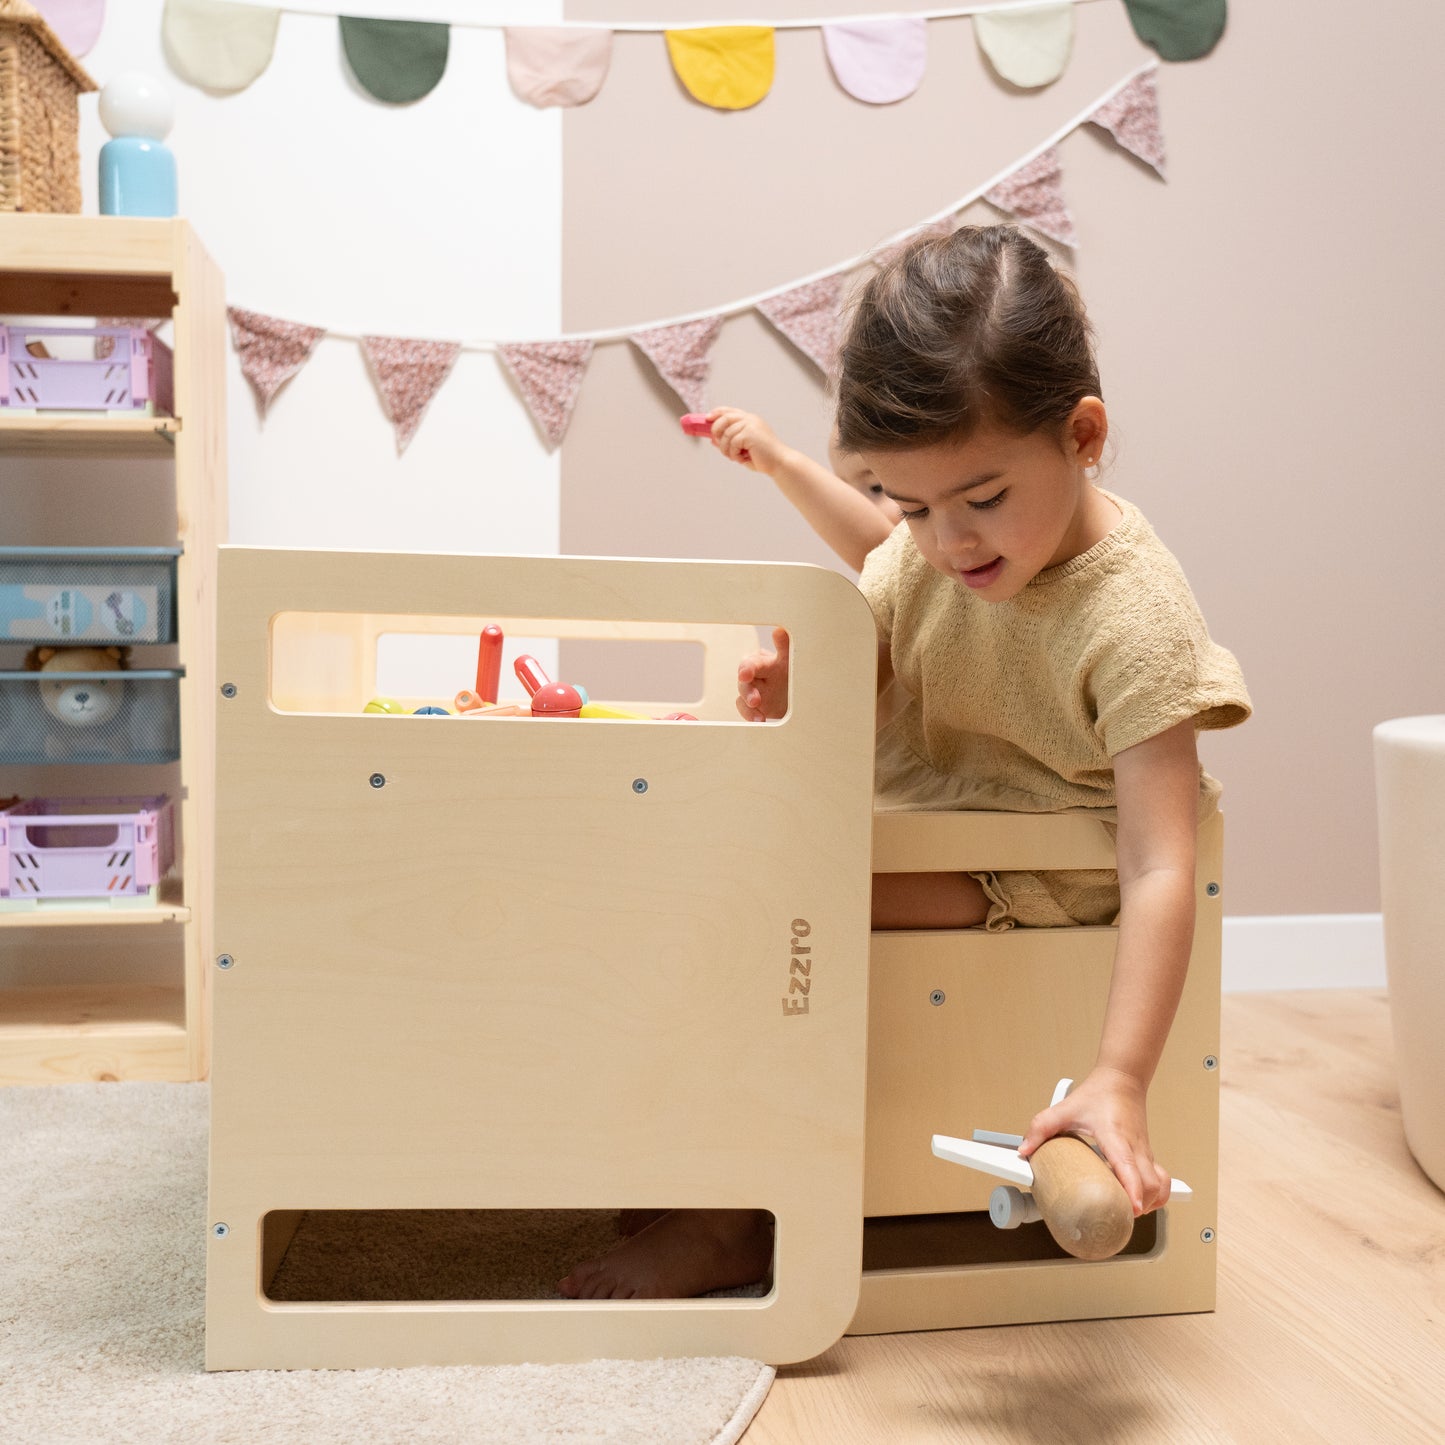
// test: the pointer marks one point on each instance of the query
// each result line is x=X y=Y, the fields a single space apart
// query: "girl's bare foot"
x=684 y=1253
x=634 y=1221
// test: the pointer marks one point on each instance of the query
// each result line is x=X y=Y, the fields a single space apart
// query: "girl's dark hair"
x=974 y=328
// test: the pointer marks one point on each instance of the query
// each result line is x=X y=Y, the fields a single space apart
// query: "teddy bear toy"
x=80 y=702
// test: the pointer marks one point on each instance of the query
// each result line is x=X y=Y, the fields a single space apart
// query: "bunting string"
x=224 y=45
x=548 y=371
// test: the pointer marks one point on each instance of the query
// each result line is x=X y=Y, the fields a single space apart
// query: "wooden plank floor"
x=1330 y=1324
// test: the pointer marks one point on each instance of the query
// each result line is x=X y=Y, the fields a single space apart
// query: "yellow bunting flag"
x=726 y=66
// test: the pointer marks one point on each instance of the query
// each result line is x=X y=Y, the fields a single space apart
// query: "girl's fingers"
x=1121 y=1161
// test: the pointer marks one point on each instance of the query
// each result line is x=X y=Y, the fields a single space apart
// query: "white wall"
x=440 y=219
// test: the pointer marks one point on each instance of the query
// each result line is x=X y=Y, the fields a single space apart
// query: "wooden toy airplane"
x=1069 y=1186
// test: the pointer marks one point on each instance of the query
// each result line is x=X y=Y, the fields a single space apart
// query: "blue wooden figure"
x=137 y=170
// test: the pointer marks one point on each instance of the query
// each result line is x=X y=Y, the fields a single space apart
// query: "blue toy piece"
x=431 y=712
x=137 y=178
x=137 y=169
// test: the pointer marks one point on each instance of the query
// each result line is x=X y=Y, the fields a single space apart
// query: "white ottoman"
x=1410 y=789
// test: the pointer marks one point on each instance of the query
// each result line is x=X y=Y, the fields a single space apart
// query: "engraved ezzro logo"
x=800 y=969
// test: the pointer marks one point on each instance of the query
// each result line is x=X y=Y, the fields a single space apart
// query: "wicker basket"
x=39 y=117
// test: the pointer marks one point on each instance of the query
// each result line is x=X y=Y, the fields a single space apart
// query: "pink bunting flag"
x=408 y=375
x=556 y=65
x=1132 y=118
x=76 y=23
x=1034 y=194
x=271 y=351
x=808 y=317
x=682 y=356
x=549 y=376
x=879 y=61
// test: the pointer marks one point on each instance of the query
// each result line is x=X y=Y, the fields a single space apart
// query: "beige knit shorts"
x=1061 y=899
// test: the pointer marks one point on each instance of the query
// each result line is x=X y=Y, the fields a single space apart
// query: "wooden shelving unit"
x=81 y=267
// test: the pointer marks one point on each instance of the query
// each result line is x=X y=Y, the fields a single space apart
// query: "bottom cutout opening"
x=407 y=1256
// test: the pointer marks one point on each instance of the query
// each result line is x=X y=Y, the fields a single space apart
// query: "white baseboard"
x=1304 y=950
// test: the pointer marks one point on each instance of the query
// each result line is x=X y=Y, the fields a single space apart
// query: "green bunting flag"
x=395 y=60
x=1178 y=29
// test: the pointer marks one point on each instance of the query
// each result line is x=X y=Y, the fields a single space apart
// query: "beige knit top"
x=1021 y=705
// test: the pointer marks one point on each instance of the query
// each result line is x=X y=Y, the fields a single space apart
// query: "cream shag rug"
x=102 y=1285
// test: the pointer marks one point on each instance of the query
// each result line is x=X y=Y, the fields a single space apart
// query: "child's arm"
x=1157 y=790
x=842 y=516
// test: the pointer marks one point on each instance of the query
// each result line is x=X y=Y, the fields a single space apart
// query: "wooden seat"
x=971 y=1030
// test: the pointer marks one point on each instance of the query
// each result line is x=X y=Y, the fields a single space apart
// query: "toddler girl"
x=1041 y=652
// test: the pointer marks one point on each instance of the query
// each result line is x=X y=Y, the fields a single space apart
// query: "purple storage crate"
x=130 y=371
x=85 y=847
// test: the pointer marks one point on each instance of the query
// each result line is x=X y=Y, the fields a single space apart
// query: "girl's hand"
x=763 y=682
x=1109 y=1107
x=746 y=439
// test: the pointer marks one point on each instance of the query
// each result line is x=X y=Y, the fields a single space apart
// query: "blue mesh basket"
x=109 y=595
x=90 y=717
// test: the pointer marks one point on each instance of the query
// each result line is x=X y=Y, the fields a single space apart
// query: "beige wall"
x=1270 y=323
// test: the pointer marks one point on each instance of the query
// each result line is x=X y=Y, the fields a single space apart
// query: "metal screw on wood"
x=225 y=961
x=228 y=689
x=639 y=785
x=1210 y=1062
x=220 y=1230
x=937 y=997
x=378 y=780
x=1207 y=1235
x=1212 y=889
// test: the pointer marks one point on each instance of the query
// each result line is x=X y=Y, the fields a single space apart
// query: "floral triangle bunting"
x=1034 y=195
x=548 y=373
x=408 y=374
x=270 y=351
x=682 y=355
x=808 y=317
x=549 y=376
x=1132 y=118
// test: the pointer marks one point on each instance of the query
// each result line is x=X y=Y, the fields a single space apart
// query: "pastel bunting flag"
x=408 y=375
x=549 y=376
x=217 y=45
x=729 y=67
x=879 y=61
x=808 y=316
x=1132 y=118
x=1034 y=194
x=1028 y=48
x=554 y=65
x=682 y=355
x=397 y=61
x=76 y=23
x=271 y=351
x=1178 y=29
